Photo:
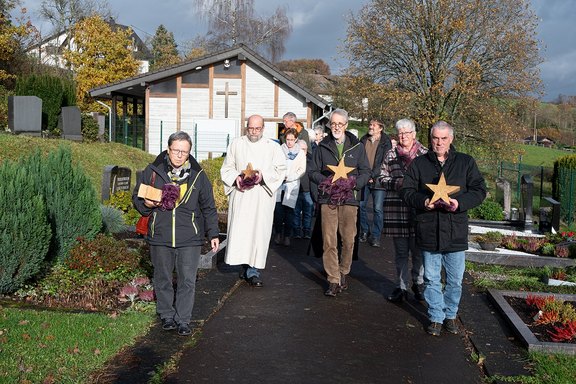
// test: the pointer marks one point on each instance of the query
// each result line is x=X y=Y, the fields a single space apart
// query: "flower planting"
x=559 y=317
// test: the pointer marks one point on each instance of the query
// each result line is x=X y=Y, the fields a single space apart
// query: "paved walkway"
x=289 y=332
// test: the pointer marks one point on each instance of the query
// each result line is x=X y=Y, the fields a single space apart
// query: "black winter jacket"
x=327 y=154
x=384 y=145
x=192 y=220
x=438 y=230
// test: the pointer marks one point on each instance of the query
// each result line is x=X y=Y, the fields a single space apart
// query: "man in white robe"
x=251 y=209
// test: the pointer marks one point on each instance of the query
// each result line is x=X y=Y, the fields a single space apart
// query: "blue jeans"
x=303 y=214
x=378 y=216
x=443 y=304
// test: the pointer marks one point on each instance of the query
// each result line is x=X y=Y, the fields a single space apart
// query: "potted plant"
x=489 y=240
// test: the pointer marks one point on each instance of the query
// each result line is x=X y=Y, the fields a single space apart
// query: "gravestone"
x=25 y=115
x=504 y=185
x=527 y=186
x=101 y=121
x=70 y=123
x=114 y=179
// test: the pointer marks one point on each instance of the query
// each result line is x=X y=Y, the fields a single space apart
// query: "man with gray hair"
x=442 y=223
x=289 y=120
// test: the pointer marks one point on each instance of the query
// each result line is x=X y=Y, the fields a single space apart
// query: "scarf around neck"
x=177 y=175
x=291 y=153
x=407 y=156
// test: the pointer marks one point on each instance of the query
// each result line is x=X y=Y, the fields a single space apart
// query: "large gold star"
x=249 y=171
x=341 y=171
x=441 y=190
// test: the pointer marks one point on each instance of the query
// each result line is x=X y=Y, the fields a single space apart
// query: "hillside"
x=92 y=157
x=541 y=156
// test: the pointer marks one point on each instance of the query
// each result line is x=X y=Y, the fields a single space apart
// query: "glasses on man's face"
x=337 y=125
x=405 y=133
x=179 y=152
x=254 y=129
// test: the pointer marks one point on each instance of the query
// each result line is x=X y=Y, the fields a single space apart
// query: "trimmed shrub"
x=212 y=169
x=54 y=92
x=71 y=201
x=488 y=210
x=24 y=230
x=89 y=129
x=562 y=190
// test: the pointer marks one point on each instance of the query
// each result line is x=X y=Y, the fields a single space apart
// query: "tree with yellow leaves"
x=98 y=56
x=449 y=55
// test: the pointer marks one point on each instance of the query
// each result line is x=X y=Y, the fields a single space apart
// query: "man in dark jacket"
x=442 y=227
x=340 y=169
x=376 y=143
x=178 y=227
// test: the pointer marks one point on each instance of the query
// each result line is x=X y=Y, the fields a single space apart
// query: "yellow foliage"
x=99 y=56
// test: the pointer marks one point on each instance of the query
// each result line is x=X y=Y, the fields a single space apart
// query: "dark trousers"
x=185 y=261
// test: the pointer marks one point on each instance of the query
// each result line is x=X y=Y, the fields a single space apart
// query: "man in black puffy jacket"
x=442 y=227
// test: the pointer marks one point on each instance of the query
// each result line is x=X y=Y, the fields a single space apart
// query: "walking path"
x=289 y=332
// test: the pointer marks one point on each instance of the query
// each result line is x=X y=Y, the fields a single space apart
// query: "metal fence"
x=567 y=194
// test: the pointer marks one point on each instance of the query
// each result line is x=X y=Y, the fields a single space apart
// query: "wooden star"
x=442 y=190
x=249 y=171
x=341 y=171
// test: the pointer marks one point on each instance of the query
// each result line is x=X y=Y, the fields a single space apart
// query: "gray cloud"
x=320 y=27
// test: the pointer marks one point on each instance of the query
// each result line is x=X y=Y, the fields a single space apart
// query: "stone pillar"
x=504 y=185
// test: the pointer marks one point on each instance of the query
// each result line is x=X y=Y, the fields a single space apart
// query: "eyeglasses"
x=255 y=129
x=405 y=133
x=178 y=152
x=339 y=125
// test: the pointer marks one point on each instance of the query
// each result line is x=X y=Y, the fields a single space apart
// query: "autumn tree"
x=11 y=37
x=231 y=22
x=164 y=49
x=101 y=56
x=448 y=55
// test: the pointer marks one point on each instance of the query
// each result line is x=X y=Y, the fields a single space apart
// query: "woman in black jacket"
x=178 y=226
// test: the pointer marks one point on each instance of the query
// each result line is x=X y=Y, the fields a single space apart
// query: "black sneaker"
x=184 y=329
x=333 y=290
x=168 y=324
x=255 y=281
x=434 y=329
x=343 y=282
x=418 y=290
x=397 y=295
x=450 y=326
x=363 y=237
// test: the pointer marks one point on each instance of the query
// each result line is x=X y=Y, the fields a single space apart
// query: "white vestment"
x=251 y=213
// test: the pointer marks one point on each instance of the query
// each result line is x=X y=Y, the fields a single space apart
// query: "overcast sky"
x=320 y=26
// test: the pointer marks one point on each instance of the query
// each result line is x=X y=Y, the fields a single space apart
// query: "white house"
x=211 y=98
x=50 y=50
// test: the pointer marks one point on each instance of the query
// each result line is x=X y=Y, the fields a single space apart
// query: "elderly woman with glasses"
x=398 y=218
x=180 y=221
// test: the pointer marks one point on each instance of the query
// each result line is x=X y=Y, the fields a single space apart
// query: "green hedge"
x=564 y=186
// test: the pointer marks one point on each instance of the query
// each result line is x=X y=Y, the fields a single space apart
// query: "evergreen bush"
x=212 y=169
x=488 y=210
x=54 y=92
x=89 y=129
x=71 y=201
x=563 y=185
x=24 y=230
x=112 y=219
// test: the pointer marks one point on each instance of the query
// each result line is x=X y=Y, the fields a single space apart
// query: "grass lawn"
x=541 y=156
x=92 y=157
x=62 y=347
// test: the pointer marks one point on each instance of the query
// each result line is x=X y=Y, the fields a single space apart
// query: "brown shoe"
x=343 y=282
x=333 y=290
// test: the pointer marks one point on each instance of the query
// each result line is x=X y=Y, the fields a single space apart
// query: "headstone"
x=114 y=179
x=504 y=185
x=101 y=120
x=526 y=202
x=25 y=115
x=70 y=123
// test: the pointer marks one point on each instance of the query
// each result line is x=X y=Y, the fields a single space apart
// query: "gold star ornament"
x=249 y=171
x=442 y=191
x=341 y=171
